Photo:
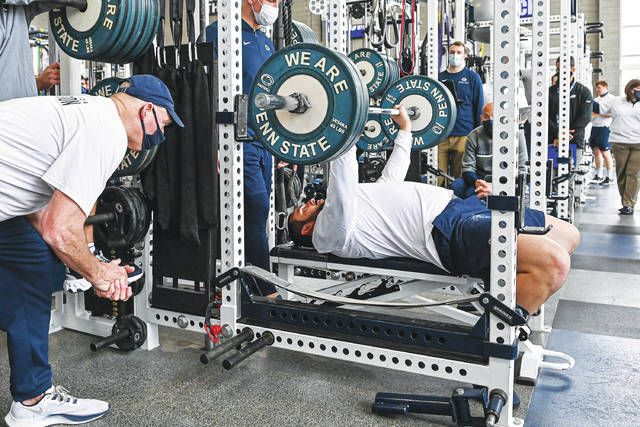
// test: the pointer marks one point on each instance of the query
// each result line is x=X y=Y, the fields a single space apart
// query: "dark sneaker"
x=626 y=210
x=606 y=181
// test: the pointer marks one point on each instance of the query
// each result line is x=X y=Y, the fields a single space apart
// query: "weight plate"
x=88 y=34
x=436 y=106
x=326 y=128
x=373 y=139
x=128 y=20
x=363 y=96
x=373 y=69
x=119 y=232
x=301 y=33
x=135 y=27
x=151 y=28
x=133 y=162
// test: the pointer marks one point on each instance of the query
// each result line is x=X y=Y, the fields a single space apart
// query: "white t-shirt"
x=599 y=122
x=69 y=143
x=388 y=218
x=625 y=127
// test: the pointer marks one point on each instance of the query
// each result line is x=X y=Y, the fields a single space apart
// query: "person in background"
x=599 y=139
x=257 y=161
x=580 y=109
x=470 y=101
x=476 y=162
x=625 y=139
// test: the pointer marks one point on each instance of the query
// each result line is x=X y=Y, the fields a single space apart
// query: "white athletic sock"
x=609 y=174
x=601 y=172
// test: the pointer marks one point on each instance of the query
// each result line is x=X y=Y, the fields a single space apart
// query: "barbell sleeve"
x=100 y=218
x=111 y=339
x=291 y=103
x=266 y=101
x=227 y=345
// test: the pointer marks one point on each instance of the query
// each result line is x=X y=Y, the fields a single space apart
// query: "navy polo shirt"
x=256 y=49
x=470 y=99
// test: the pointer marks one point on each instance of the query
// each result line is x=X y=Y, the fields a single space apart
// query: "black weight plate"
x=151 y=30
x=323 y=131
x=88 y=34
x=116 y=233
x=436 y=106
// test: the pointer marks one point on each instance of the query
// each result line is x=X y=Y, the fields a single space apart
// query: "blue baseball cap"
x=151 y=89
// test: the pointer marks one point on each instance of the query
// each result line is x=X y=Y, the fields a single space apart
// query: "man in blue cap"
x=57 y=155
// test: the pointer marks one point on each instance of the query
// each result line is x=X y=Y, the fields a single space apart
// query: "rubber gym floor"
x=595 y=318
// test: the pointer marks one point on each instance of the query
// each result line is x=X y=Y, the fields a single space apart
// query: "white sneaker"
x=56 y=407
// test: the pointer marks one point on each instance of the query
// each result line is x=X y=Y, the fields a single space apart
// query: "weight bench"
x=421 y=277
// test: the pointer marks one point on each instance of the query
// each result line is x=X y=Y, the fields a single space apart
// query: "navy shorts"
x=600 y=138
x=462 y=234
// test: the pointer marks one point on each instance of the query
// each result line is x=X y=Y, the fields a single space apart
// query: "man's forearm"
x=70 y=245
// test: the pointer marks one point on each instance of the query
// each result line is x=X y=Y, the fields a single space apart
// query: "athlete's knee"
x=558 y=266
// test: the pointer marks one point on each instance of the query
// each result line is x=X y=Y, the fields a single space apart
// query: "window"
x=629 y=36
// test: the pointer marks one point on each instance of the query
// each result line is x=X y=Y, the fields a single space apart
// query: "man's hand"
x=483 y=188
x=402 y=120
x=49 y=77
x=571 y=132
x=112 y=281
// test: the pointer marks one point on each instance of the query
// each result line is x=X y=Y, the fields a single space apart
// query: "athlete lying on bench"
x=395 y=218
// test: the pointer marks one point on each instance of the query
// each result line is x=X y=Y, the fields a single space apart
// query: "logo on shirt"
x=267 y=47
x=267 y=80
x=246 y=43
x=72 y=100
x=464 y=80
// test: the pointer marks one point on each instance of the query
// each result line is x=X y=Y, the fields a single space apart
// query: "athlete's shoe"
x=56 y=407
x=74 y=282
x=606 y=181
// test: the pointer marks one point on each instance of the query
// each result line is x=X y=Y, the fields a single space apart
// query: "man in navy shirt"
x=470 y=101
x=257 y=162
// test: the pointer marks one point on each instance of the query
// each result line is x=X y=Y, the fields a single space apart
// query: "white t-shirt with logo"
x=70 y=143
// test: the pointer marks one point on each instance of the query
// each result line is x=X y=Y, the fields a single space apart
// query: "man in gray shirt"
x=477 y=158
x=16 y=60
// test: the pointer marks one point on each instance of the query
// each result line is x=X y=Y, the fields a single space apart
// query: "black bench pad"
x=400 y=264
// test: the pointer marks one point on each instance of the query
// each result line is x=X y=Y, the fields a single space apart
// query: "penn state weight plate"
x=128 y=39
x=88 y=34
x=335 y=119
x=373 y=138
x=302 y=33
x=128 y=10
x=434 y=102
x=133 y=162
x=149 y=33
x=373 y=68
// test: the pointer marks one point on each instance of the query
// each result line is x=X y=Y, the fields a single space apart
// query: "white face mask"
x=456 y=59
x=267 y=15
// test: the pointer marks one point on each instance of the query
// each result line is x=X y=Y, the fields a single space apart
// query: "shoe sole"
x=135 y=277
x=52 y=420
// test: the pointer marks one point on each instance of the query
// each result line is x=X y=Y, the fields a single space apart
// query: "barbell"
x=316 y=106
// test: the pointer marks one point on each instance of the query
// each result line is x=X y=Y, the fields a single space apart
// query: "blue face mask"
x=488 y=127
x=157 y=138
x=637 y=94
